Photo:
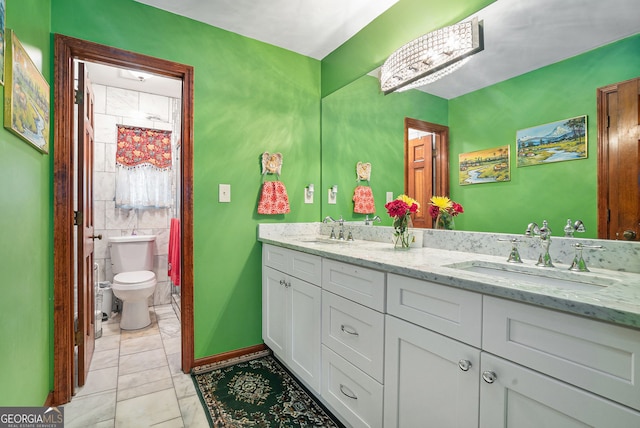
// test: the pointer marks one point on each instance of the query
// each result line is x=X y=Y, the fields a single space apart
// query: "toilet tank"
x=131 y=253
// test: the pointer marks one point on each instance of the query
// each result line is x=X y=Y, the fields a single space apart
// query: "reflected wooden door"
x=426 y=165
x=619 y=161
x=85 y=334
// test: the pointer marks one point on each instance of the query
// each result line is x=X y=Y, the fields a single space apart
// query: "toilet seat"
x=135 y=279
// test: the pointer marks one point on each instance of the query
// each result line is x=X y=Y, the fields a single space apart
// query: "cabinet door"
x=424 y=384
x=274 y=300
x=303 y=319
x=522 y=398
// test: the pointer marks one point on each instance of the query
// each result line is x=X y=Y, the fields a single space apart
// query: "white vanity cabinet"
x=353 y=342
x=291 y=310
x=431 y=379
x=574 y=354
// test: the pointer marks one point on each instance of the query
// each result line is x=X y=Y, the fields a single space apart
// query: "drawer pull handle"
x=349 y=330
x=464 y=365
x=349 y=393
x=489 y=376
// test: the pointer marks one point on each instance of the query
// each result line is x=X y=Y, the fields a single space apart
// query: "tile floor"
x=135 y=379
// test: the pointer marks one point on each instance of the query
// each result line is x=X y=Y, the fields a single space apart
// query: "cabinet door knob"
x=349 y=393
x=464 y=365
x=283 y=282
x=349 y=330
x=94 y=237
x=489 y=376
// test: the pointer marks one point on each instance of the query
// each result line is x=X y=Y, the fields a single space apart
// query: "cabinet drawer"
x=353 y=394
x=600 y=357
x=362 y=285
x=354 y=332
x=446 y=310
x=295 y=263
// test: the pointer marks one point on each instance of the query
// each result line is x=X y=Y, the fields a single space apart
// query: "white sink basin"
x=533 y=275
x=321 y=240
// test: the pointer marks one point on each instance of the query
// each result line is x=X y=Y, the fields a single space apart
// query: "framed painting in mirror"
x=485 y=166
x=558 y=141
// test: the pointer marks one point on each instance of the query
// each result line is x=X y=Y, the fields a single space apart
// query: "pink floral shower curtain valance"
x=138 y=146
x=143 y=168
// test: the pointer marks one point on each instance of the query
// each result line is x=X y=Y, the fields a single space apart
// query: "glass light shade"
x=431 y=56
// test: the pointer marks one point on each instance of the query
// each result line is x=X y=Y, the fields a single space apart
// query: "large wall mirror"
x=359 y=123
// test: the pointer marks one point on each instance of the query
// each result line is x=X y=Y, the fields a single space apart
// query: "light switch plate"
x=224 y=192
x=389 y=196
x=332 y=197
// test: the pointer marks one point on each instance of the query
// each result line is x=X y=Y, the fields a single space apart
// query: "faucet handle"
x=578 y=264
x=514 y=255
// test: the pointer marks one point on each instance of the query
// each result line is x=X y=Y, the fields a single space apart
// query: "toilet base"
x=135 y=315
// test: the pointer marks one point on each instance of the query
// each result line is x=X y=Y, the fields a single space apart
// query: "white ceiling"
x=519 y=35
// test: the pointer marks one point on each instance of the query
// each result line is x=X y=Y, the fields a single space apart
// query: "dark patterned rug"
x=257 y=393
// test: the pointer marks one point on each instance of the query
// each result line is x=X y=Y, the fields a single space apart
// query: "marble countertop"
x=618 y=302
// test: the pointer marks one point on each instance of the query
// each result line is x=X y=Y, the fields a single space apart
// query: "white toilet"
x=134 y=280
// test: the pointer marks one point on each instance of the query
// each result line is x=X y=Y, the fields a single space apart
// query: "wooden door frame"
x=441 y=156
x=603 y=160
x=66 y=50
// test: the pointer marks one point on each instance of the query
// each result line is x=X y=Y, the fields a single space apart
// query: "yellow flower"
x=441 y=202
x=407 y=200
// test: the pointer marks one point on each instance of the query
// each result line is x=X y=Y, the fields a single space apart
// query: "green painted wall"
x=359 y=123
x=26 y=320
x=250 y=97
x=490 y=117
x=401 y=23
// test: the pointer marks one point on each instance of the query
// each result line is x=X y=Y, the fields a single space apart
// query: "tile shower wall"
x=115 y=106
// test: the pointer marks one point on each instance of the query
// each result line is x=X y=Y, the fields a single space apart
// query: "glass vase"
x=402 y=239
x=444 y=221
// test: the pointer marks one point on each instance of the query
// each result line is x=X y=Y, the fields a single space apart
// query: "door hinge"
x=608 y=121
x=78 y=96
x=77 y=218
x=77 y=337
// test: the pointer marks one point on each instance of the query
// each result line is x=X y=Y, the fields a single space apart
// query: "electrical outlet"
x=389 y=196
x=224 y=192
x=308 y=197
x=332 y=197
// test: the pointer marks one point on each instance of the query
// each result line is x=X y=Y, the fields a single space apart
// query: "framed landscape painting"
x=26 y=97
x=485 y=166
x=553 y=142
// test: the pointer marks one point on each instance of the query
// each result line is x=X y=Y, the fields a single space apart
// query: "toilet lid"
x=134 y=277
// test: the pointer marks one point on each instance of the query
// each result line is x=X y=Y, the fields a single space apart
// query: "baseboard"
x=212 y=362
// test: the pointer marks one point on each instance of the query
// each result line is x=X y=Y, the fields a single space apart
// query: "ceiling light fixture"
x=431 y=56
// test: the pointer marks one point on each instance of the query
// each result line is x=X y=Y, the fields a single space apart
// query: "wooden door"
x=85 y=334
x=426 y=165
x=619 y=161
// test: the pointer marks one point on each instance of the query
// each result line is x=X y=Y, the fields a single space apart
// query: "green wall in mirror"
x=359 y=123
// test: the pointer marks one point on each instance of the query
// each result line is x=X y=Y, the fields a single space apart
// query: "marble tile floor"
x=136 y=381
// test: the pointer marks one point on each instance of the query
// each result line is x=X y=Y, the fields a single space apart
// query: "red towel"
x=174 y=251
x=273 y=199
x=363 y=200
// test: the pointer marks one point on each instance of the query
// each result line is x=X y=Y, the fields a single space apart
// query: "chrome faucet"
x=544 y=233
x=570 y=228
x=368 y=221
x=340 y=222
x=341 y=232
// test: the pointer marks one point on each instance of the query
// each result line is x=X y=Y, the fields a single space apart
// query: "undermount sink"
x=321 y=240
x=533 y=275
